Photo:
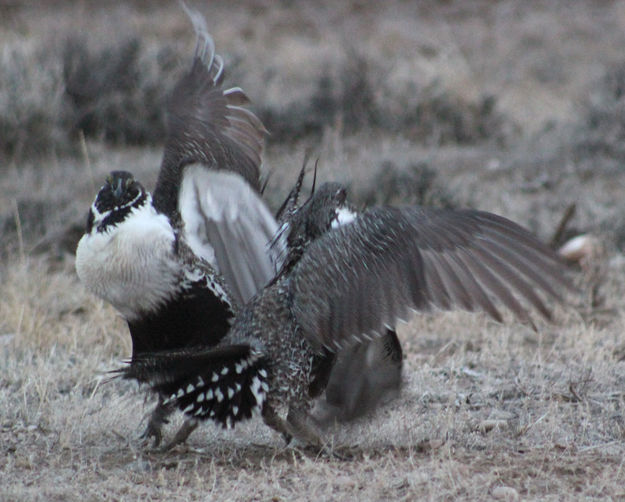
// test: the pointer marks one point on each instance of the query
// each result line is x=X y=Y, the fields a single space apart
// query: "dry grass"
x=487 y=411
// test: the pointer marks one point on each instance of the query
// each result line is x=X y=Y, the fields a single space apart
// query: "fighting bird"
x=361 y=376
x=348 y=286
x=177 y=263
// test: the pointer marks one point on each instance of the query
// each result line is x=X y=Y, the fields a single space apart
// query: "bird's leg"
x=305 y=429
x=299 y=425
x=157 y=419
x=189 y=425
x=302 y=427
x=273 y=420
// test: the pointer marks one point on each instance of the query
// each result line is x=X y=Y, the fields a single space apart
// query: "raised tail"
x=226 y=384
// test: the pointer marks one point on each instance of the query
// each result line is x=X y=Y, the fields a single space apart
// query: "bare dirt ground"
x=512 y=107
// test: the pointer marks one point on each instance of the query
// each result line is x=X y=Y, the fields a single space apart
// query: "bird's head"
x=115 y=200
x=326 y=208
x=318 y=214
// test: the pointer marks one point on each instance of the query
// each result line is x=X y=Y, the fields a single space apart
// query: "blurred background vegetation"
x=439 y=99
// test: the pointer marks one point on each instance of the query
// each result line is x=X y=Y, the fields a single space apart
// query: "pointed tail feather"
x=227 y=384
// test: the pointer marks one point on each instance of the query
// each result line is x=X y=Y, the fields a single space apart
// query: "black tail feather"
x=227 y=384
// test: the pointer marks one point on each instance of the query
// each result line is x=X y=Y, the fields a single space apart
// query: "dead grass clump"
x=44 y=306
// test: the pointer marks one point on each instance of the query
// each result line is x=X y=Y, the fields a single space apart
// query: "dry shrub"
x=599 y=140
x=415 y=183
x=356 y=96
x=440 y=117
x=48 y=95
x=118 y=92
x=31 y=102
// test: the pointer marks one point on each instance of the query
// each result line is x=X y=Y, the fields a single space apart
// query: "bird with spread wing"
x=348 y=284
x=177 y=263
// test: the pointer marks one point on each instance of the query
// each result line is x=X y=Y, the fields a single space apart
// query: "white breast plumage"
x=131 y=264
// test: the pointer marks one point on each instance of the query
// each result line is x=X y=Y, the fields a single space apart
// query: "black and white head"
x=117 y=198
x=126 y=255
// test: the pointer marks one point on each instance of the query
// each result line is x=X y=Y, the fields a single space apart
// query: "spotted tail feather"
x=227 y=384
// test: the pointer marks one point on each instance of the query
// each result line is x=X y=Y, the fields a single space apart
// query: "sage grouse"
x=347 y=286
x=177 y=263
x=362 y=375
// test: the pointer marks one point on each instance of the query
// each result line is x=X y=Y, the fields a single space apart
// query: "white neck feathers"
x=132 y=264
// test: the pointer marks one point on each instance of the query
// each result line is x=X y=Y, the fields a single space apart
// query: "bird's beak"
x=118 y=189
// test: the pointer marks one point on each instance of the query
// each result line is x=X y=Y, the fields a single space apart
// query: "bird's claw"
x=181 y=436
x=152 y=431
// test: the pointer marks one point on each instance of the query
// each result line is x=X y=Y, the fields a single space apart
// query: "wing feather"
x=227 y=223
x=359 y=278
x=210 y=131
x=207 y=124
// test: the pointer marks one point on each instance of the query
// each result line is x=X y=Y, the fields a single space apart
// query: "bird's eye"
x=109 y=180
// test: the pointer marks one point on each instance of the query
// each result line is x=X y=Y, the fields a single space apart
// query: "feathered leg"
x=273 y=420
x=183 y=433
x=364 y=377
x=157 y=419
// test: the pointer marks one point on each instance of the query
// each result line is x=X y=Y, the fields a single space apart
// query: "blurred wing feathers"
x=228 y=224
x=207 y=124
x=359 y=278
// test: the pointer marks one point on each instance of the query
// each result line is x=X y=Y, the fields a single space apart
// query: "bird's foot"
x=306 y=431
x=273 y=420
x=301 y=427
x=158 y=418
x=181 y=436
x=153 y=430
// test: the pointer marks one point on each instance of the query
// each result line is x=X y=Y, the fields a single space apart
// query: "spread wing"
x=207 y=124
x=229 y=225
x=210 y=171
x=360 y=278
